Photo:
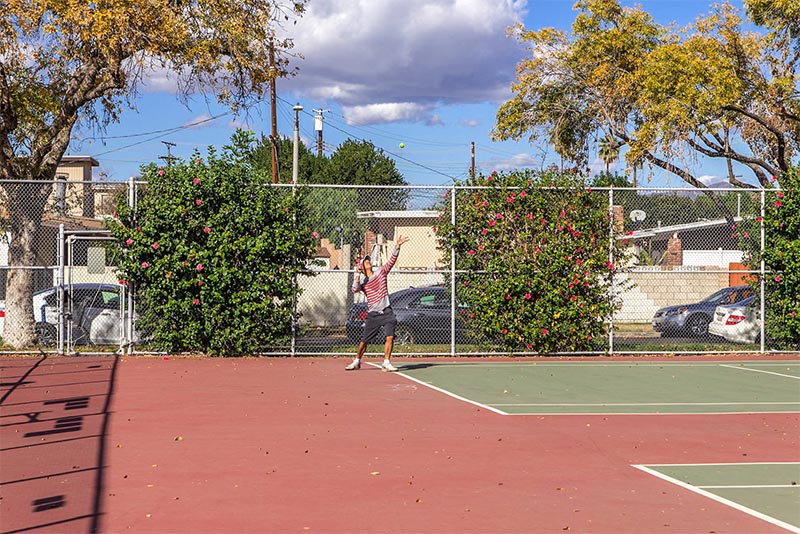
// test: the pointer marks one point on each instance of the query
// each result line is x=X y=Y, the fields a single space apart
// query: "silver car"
x=96 y=314
x=693 y=319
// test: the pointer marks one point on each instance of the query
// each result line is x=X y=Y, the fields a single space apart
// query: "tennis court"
x=598 y=387
x=210 y=445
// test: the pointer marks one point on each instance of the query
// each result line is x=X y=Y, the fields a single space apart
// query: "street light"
x=296 y=155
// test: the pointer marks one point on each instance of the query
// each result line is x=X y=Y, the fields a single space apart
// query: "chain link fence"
x=685 y=288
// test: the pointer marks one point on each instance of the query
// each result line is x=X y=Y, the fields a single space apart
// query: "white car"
x=97 y=314
x=738 y=323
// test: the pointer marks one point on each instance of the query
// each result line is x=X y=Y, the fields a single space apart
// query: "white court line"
x=722 y=500
x=440 y=390
x=753 y=486
x=758 y=371
x=656 y=404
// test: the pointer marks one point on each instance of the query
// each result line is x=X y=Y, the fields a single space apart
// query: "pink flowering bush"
x=781 y=259
x=537 y=279
x=224 y=292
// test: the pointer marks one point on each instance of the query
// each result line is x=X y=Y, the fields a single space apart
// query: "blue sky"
x=426 y=73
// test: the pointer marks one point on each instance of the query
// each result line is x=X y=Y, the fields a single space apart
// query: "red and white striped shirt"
x=375 y=288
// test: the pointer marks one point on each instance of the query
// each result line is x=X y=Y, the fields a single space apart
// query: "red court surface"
x=196 y=445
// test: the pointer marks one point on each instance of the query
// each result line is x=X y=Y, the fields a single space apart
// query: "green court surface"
x=769 y=491
x=609 y=387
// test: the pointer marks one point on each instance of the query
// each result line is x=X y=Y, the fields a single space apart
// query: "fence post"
x=763 y=272
x=611 y=270
x=129 y=319
x=60 y=284
x=452 y=274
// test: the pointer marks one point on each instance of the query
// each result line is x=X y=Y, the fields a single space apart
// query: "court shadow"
x=54 y=420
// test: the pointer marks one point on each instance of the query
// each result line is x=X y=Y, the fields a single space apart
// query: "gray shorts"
x=377 y=320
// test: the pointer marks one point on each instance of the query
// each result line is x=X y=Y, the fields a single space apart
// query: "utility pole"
x=318 y=119
x=472 y=167
x=273 y=73
x=169 y=157
x=295 y=158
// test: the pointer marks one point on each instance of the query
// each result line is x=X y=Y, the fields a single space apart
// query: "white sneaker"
x=355 y=366
x=388 y=367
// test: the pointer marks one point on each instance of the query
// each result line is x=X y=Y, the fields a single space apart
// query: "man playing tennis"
x=379 y=309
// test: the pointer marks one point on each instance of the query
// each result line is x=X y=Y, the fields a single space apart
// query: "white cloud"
x=383 y=113
x=428 y=52
x=469 y=123
x=514 y=162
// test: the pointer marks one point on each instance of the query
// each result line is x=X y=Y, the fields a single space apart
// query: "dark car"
x=693 y=319
x=423 y=316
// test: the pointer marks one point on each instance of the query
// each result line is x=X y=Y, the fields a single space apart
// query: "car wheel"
x=46 y=335
x=697 y=326
x=403 y=336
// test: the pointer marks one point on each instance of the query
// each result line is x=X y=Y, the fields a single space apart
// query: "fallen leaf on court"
x=419 y=500
x=178 y=438
x=375 y=473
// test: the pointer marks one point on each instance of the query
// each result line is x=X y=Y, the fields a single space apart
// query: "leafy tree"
x=532 y=253
x=668 y=96
x=308 y=167
x=74 y=64
x=781 y=257
x=213 y=252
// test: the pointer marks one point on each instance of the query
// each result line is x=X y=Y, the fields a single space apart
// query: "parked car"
x=423 y=316
x=96 y=314
x=738 y=323
x=693 y=319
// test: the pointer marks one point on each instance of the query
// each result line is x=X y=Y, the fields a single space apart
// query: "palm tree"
x=609 y=150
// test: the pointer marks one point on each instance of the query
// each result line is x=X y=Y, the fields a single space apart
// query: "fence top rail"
x=438 y=187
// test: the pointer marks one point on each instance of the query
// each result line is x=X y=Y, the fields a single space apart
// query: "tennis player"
x=379 y=309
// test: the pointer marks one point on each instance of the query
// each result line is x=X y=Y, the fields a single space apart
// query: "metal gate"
x=91 y=305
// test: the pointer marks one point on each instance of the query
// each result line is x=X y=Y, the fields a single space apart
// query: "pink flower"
x=523 y=194
x=780 y=195
x=792 y=314
x=199 y=267
x=544 y=331
x=471 y=252
x=505 y=331
x=484 y=231
x=778 y=278
x=145 y=265
x=129 y=241
x=510 y=200
x=207 y=230
x=314 y=234
x=196 y=181
x=480 y=247
x=485 y=203
x=611 y=266
x=528 y=295
x=199 y=282
x=491 y=223
x=161 y=173
x=778 y=204
x=563 y=213
x=471 y=315
x=508 y=297
x=198 y=201
x=196 y=302
x=123 y=282
x=578 y=262
x=544 y=221
x=772 y=179
x=155 y=246
x=498 y=216
x=747 y=234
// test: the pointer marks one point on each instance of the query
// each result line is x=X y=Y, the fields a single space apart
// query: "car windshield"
x=721 y=295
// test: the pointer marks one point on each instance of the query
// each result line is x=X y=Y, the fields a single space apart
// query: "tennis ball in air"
x=402 y=145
